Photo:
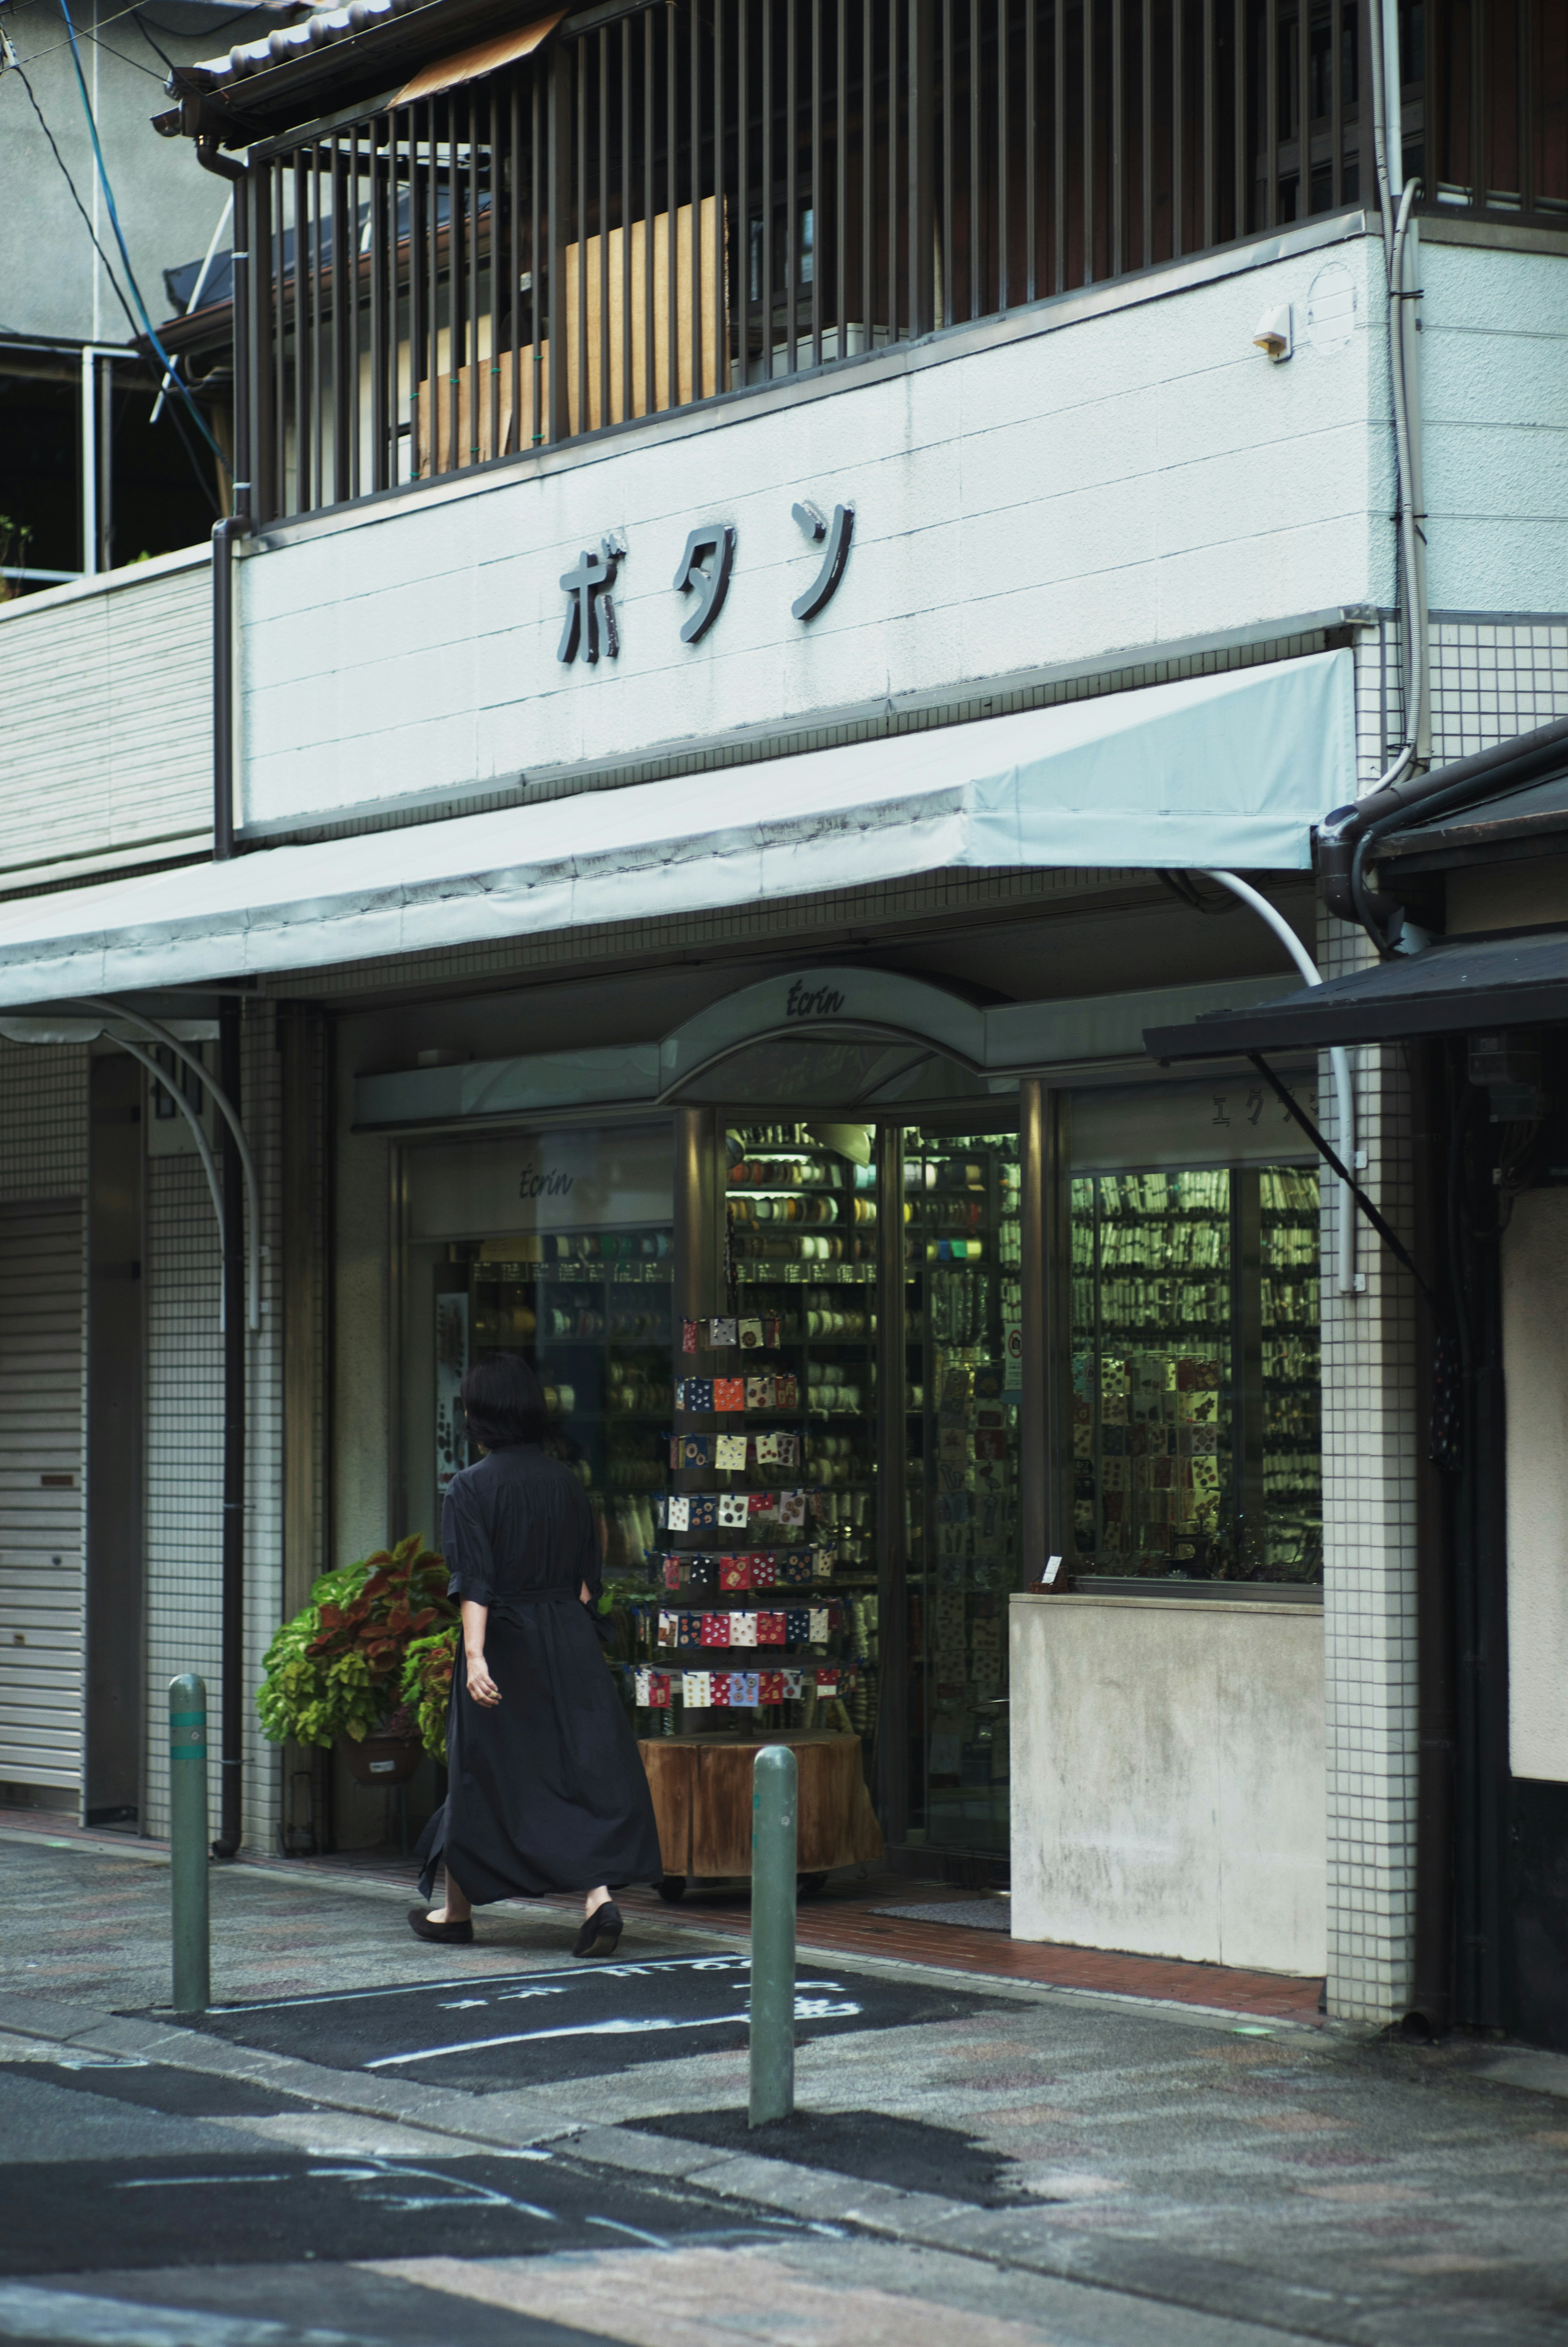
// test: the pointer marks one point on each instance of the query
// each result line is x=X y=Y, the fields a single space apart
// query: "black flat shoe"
x=457 y=1935
x=600 y=1932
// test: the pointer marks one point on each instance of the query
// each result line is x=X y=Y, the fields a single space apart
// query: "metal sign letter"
x=715 y=546
x=589 y=606
x=824 y=588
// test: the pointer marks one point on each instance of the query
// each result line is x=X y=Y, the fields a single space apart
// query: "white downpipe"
x=1338 y=1060
x=1402 y=252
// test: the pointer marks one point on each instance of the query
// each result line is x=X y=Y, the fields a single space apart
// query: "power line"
x=169 y=366
x=135 y=10
x=197 y=466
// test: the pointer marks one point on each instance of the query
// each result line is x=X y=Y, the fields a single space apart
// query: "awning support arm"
x=1344 y=1274
x=203 y=1146
x=227 y=1109
x=1390 y=1238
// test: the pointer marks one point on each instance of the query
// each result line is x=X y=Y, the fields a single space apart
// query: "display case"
x=769 y=1600
x=963 y=1304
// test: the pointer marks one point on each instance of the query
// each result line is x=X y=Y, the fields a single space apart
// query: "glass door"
x=963 y=1308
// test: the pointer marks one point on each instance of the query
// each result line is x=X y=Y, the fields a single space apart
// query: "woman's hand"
x=481 y=1685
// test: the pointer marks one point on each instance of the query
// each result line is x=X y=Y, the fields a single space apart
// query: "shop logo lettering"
x=547 y=1184
x=805 y=1001
x=590 y=629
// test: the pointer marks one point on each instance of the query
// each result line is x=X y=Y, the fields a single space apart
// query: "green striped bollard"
x=188 y=1841
x=772 y=1934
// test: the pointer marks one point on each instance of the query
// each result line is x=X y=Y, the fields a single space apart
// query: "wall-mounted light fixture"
x=1274 y=332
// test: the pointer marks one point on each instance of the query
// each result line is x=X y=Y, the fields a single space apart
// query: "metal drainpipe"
x=225 y=533
x=236 y=525
x=232 y=1679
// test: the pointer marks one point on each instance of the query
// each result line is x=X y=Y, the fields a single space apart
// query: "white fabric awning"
x=1229 y=770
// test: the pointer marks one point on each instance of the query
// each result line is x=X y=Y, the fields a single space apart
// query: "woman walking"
x=545 y=1790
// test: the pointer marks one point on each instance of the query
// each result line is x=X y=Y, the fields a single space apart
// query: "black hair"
x=503 y=1401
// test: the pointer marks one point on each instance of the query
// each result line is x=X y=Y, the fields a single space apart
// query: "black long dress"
x=546 y=1789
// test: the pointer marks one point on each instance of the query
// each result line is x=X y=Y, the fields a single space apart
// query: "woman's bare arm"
x=481 y=1685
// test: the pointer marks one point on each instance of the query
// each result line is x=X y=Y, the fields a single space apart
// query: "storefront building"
x=716 y=809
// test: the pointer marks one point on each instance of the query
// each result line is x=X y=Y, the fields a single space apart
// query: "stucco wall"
x=1535 y=1368
x=1086 y=481
x=1494 y=397
x=1168 y=1778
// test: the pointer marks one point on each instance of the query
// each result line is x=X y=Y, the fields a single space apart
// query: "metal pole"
x=772 y=1934
x=233 y=1673
x=187 y=1842
x=89 y=463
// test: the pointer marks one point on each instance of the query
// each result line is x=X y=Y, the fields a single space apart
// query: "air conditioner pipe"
x=1338 y=1060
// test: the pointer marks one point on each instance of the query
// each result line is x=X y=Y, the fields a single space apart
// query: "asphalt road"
x=498 y=2032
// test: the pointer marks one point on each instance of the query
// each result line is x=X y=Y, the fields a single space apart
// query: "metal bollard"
x=772 y=1934
x=188 y=1841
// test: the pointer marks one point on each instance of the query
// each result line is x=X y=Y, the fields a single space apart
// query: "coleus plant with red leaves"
x=338 y=1667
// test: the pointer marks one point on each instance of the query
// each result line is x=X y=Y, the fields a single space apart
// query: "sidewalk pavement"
x=1041 y=2164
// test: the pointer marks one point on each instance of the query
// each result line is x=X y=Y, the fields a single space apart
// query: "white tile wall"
x=1492 y=678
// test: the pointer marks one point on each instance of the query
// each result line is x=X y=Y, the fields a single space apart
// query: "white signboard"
x=604 y=1178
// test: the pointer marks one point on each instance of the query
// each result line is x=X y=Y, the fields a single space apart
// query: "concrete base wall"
x=1168 y=1787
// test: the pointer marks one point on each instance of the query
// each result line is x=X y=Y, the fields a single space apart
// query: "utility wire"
x=194 y=455
x=135 y=10
x=169 y=366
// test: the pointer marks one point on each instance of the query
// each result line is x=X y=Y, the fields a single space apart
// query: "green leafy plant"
x=427 y=1669
x=338 y=1668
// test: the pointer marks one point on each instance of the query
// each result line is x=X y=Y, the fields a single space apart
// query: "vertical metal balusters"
x=1058 y=139
x=841 y=176
x=671 y=198
x=382 y=173
x=1004 y=102
x=1304 y=108
x=515 y=247
x=1088 y=9
x=1337 y=104
x=1208 y=143
x=720 y=298
x=318 y=341
x=976 y=238
x=950 y=173
x=743 y=183
x=816 y=182
x=867 y=172
x=602 y=294
x=767 y=188
x=792 y=186
x=433 y=291
x=921 y=115
x=627 y=403
x=1146 y=126
x=345 y=318
x=582 y=418
x=1030 y=151
x=541 y=254
x=694 y=167
x=1238 y=114
x=892 y=203
x=497 y=248
x=650 y=212
x=1118 y=161
x=1178 y=146
x=1271 y=112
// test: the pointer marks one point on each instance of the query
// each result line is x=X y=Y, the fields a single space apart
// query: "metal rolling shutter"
x=42 y=1501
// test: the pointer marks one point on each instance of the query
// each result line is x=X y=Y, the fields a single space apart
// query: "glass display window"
x=558 y=1245
x=963 y=1306
x=1196 y=1375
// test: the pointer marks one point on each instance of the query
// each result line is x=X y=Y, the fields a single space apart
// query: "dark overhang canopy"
x=1453 y=987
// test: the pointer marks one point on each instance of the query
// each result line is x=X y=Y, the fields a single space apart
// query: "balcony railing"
x=670 y=205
